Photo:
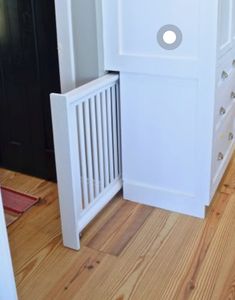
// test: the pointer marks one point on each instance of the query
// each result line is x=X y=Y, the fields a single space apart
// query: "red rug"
x=17 y=202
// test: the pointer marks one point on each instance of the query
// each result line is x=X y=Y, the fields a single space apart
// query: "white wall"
x=7 y=282
x=80 y=43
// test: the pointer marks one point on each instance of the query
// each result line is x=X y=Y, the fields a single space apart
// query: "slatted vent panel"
x=98 y=119
x=86 y=127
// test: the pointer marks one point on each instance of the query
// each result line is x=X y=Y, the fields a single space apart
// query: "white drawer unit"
x=224 y=140
x=224 y=104
x=176 y=60
x=225 y=90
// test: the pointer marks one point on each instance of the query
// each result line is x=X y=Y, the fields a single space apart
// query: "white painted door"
x=7 y=282
x=80 y=42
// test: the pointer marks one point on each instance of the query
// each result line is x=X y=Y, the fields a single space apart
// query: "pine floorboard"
x=129 y=251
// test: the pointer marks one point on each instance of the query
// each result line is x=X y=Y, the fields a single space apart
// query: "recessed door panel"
x=140 y=22
x=225 y=29
x=151 y=36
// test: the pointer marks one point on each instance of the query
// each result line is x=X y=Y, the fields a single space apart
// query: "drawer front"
x=224 y=141
x=225 y=89
x=225 y=71
x=224 y=102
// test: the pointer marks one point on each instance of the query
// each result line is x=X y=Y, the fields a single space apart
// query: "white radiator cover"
x=177 y=104
x=86 y=127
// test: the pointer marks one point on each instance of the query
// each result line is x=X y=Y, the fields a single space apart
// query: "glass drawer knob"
x=220 y=156
x=224 y=75
x=230 y=136
x=222 y=111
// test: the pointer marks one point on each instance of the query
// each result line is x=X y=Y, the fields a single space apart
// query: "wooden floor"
x=129 y=252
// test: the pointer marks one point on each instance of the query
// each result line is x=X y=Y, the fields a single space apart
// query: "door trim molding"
x=65 y=44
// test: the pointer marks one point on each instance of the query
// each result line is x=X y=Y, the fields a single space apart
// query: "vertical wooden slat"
x=100 y=141
x=82 y=149
x=110 y=135
x=114 y=129
x=94 y=145
x=119 y=129
x=90 y=180
x=64 y=120
x=105 y=137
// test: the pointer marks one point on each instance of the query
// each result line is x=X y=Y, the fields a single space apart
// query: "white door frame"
x=7 y=281
x=65 y=44
x=74 y=49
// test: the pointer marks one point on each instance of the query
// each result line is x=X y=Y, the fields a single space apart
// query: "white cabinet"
x=176 y=60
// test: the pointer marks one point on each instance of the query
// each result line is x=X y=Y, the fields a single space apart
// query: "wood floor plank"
x=154 y=241
x=120 y=228
x=161 y=277
x=228 y=182
x=155 y=254
x=227 y=190
x=10 y=217
x=6 y=175
x=35 y=228
x=95 y=226
x=219 y=258
x=27 y=241
x=139 y=275
x=83 y=267
x=211 y=223
x=228 y=288
x=20 y=182
x=66 y=271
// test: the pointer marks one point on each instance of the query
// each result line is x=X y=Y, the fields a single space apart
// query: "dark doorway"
x=28 y=73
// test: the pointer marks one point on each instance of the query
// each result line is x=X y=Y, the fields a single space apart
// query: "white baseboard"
x=164 y=199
